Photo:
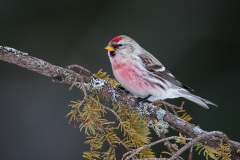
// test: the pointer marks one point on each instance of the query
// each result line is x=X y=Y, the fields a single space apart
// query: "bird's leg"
x=144 y=99
x=122 y=88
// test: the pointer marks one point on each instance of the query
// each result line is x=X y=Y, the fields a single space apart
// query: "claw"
x=144 y=100
x=120 y=87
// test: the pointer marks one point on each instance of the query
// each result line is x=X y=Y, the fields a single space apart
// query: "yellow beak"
x=109 y=48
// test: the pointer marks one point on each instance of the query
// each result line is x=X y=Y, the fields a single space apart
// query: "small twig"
x=136 y=151
x=173 y=110
x=190 y=153
x=197 y=139
x=107 y=108
x=86 y=71
x=110 y=144
x=80 y=68
x=168 y=144
x=181 y=107
x=91 y=148
x=74 y=84
x=83 y=89
x=170 y=105
x=117 y=116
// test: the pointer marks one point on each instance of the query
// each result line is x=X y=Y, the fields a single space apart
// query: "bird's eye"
x=116 y=46
x=120 y=45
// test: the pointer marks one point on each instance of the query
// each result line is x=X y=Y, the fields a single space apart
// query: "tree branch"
x=64 y=75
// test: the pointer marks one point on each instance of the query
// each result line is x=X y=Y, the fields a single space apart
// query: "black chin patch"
x=112 y=53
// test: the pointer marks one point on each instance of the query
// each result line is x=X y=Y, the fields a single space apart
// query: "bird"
x=140 y=73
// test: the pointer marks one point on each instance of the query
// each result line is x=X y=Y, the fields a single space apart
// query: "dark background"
x=198 y=41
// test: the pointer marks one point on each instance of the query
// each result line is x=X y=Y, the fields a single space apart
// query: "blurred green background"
x=198 y=41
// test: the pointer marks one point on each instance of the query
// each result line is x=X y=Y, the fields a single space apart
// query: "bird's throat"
x=118 y=65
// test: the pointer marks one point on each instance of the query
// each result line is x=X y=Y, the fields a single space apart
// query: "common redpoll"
x=143 y=75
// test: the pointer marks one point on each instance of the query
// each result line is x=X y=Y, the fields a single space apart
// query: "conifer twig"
x=197 y=139
x=109 y=109
x=136 y=151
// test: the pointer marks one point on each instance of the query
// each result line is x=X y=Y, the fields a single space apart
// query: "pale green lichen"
x=42 y=64
x=97 y=83
x=160 y=127
x=13 y=50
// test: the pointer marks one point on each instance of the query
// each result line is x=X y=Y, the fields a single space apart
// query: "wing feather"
x=155 y=67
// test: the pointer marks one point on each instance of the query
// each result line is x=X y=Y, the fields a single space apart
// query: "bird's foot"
x=120 y=87
x=143 y=100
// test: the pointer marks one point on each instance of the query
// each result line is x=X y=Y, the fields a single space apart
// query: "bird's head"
x=122 y=47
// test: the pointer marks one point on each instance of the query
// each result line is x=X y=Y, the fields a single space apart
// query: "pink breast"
x=131 y=76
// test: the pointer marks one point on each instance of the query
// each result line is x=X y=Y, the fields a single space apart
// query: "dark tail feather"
x=198 y=100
